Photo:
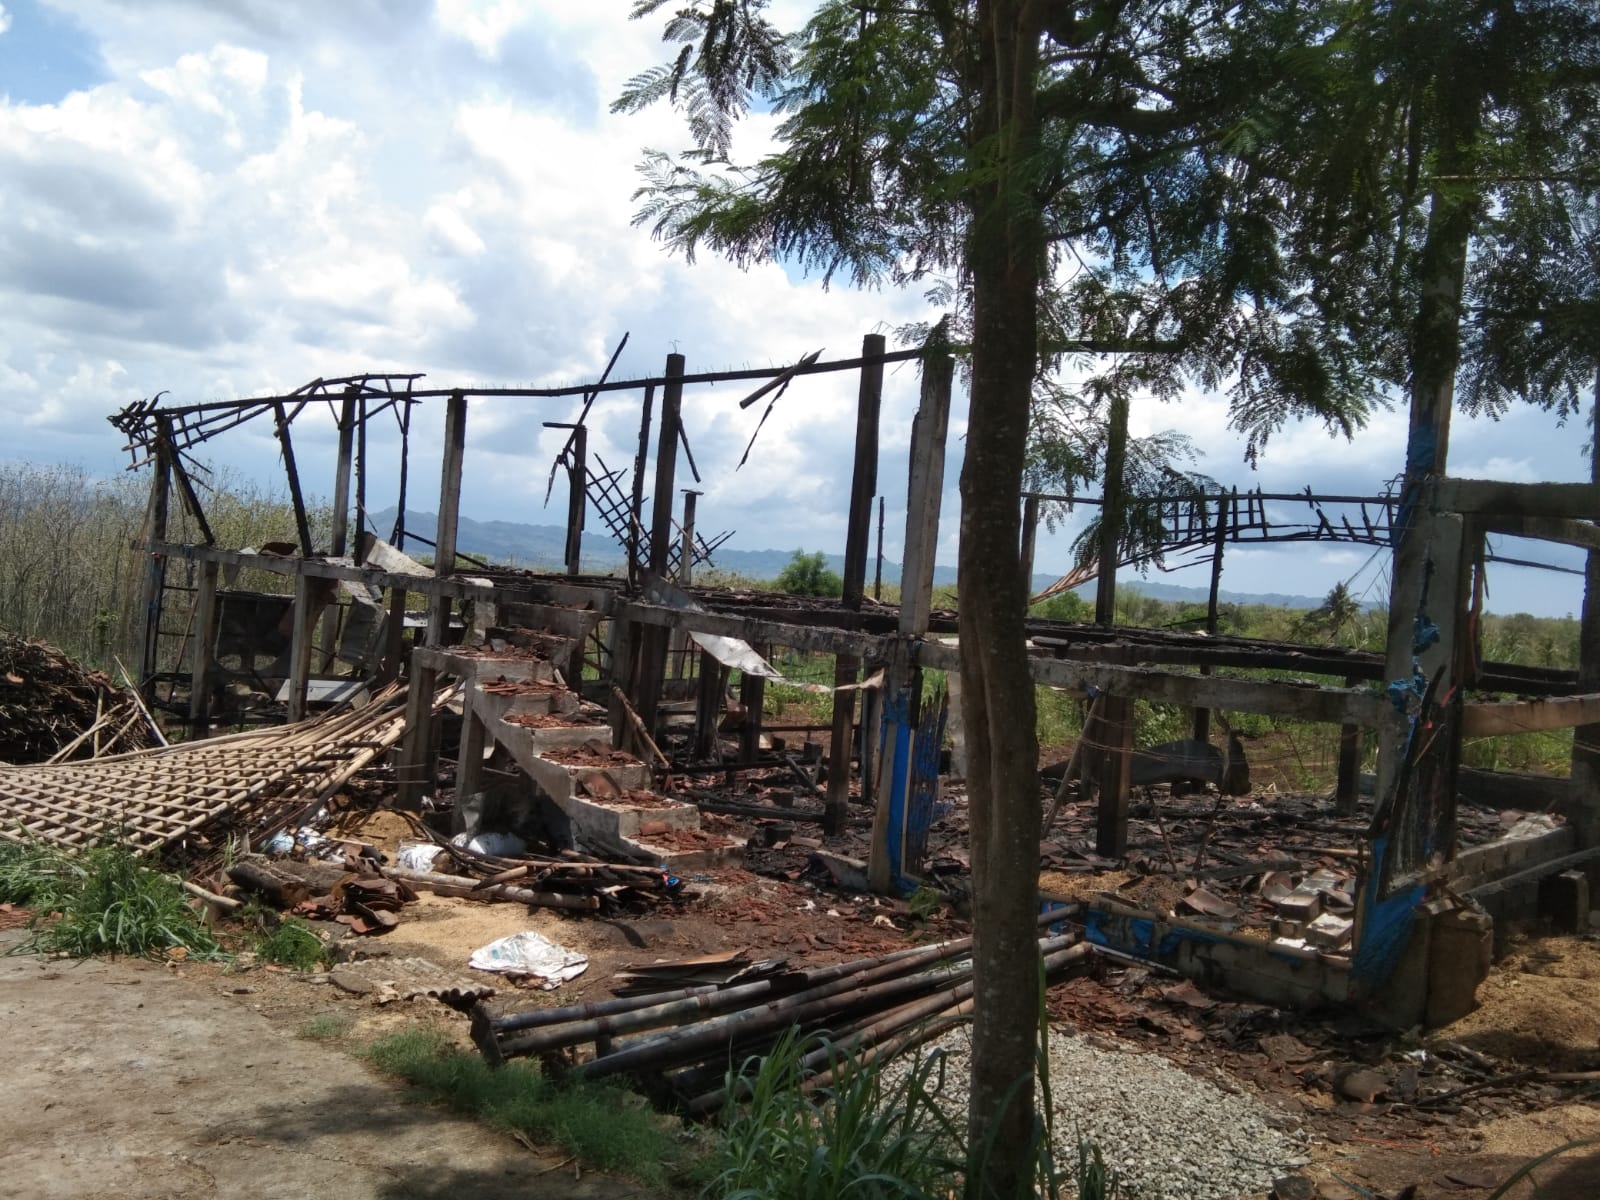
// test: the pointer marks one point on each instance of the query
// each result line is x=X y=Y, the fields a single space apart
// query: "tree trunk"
x=1006 y=256
x=1435 y=357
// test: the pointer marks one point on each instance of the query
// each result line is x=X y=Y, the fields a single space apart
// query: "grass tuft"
x=327 y=1027
x=604 y=1126
x=119 y=906
x=292 y=943
x=36 y=875
x=858 y=1138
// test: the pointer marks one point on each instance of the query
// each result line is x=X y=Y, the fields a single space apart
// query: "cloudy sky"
x=223 y=198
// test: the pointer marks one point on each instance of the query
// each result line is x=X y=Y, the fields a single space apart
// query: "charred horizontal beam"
x=499 y=590
x=782 y=633
x=1496 y=719
x=1494 y=498
x=1308 y=702
x=1547 y=529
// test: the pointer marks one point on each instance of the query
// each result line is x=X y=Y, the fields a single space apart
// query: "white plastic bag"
x=532 y=954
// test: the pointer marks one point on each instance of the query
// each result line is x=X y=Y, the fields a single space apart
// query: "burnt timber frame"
x=1124 y=664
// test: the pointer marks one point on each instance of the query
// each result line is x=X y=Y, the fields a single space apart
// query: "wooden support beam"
x=1307 y=702
x=1030 y=538
x=304 y=616
x=414 y=770
x=636 y=504
x=1498 y=719
x=469 y=760
x=686 y=545
x=1202 y=716
x=203 y=652
x=394 y=637
x=621 y=647
x=1493 y=498
x=1111 y=759
x=752 y=698
x=928 y=434
x=863 y=487
x=1583 y=805
x=1347 y=786
x=1112 y=510
x=577 y=499
x=286 y=444
x=1584 y=534
x=653 y=644
x=153 y=583
x=339 y=541
x=444 y=542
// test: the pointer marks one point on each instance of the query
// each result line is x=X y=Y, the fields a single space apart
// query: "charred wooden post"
x=708 y=705
x=1584 y=786
x=414 y=765
x=305 y=624
x=361 y=477
x=1111 y=513
x=286 y=444
x=1347 y=786
x=653 y=643
x=153 y=584
x=394 y=637
x=636 y=508
x=1030 y=538
x=1202 y=716
x=686 y=542
x=752 y=698
x=338 y=543
x=204 y=653
x=444 y=542
x=622 y=643
x=1113 y=758
x=398 y=536
x=469 y=759
x=877 y=578
x=902 y=686
x=863 y=486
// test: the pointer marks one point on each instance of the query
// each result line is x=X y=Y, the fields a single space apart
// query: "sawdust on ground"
x=1080 y=885
x=1539 y=1007
x=383 y=829
x=1532 y=1133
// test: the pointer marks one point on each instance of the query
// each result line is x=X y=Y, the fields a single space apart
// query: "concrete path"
x=120 y=1079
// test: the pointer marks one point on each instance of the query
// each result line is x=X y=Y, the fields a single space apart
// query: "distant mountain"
x=542 y=547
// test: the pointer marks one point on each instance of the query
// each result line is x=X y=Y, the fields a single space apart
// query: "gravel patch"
x=1169 y=1134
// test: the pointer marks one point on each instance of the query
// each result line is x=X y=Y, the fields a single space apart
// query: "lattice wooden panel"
x=156 y=799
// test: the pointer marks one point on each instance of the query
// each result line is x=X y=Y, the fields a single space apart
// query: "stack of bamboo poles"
x=688 y=1039
x=192 y=795
x=567 y=880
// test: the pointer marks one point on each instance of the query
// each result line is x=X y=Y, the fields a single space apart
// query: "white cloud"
x=5 y=19
x=264 y=191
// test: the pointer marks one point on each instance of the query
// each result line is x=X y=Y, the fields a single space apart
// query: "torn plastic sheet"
x=739 y=655
x=533 y=954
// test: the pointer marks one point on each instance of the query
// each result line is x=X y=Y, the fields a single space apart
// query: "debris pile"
x=187 y=798
x=568 y=880
x=870 y=1008
x=52 y=709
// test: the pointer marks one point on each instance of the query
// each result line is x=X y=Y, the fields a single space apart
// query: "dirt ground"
x=196 y=1082
x=153 y=1083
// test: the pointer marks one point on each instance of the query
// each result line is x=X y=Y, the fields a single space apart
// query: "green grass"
x=119 y=906
x=36 y=875
x=327 y=1027
x=604 y=1126
x=859 y=1138
x=290 y=943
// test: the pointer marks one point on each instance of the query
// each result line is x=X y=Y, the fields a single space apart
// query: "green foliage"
x=68 y=574
x=289 y=942
x=1068 y=606
x=120 y=906
x=808 y=575
x=36 y=875
x=603 y=1126
x=857 y=1137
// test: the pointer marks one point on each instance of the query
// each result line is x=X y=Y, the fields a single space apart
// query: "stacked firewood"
x=50 y=706
x=677 y=1046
